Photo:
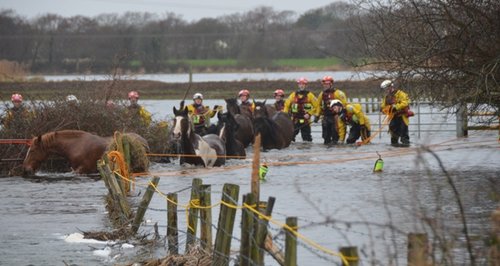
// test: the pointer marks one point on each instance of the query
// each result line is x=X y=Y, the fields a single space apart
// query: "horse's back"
x=216 y=143
x=285 y=125
x=245 y=131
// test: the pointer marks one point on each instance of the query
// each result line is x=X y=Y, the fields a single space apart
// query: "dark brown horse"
x=80 y=148
x=227 y=128
x=244 y=133
x=276 y=131
x=208 y=150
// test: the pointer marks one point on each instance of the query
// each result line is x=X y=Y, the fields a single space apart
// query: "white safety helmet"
x=335 y=102
x=198 y=96
x=71 y=98
x=386 y=83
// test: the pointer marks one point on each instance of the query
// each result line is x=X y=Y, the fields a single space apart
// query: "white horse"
x=208 y=150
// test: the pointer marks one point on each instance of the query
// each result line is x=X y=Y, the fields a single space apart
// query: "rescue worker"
x=340 y=126
x=325 y=97
x=246 y=106
x=71 y=99
x=137 y=112
x=200 y=115
x=395 y=104
x=18 y=116
x=358 y=121
x=279 y=100
x=302 y=105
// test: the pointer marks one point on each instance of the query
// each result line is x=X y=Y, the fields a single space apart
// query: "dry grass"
x=12 y=71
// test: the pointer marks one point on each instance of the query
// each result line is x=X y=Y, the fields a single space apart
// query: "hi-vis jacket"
x=142 y=113
x=300 y=103
x=324 y=99
x=21 y=115
x=400 y=101
x=200 y=114
x=354 y=115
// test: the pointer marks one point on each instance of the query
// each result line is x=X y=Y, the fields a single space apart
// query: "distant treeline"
x=149 y=42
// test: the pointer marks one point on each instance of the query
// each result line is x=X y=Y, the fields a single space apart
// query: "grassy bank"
x=161 y=90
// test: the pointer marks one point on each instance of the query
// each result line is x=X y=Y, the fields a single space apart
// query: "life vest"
x=198 y=116
x=326 y=98
x=301 y=104
x=279 y=105
x=249 y=105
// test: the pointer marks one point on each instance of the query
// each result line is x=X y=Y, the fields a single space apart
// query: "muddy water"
x=331 y=190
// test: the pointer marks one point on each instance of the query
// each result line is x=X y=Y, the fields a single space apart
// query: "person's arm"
x=402 y=101
x=288 y=103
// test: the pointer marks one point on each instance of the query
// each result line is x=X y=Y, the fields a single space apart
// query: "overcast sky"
x=189 y=9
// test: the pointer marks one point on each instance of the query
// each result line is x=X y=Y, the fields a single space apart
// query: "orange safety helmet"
x=327 y=79
x=16 y=97
x=244 y=92
x=279 y=92
x=133 y=94
x=302 y=81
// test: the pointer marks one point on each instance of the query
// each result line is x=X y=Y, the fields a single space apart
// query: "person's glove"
x=316 y=119
x=216 y=107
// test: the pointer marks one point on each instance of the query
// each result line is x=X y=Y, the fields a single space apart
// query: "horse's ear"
x=264 y=103
x=39 y=139
x=175 y=111
x=185 y=111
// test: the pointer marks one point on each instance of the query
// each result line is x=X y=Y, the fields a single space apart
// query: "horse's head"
x=35 y=156
x=260 y=109
x=227 y=121
x=232 y=106
x=182 y=125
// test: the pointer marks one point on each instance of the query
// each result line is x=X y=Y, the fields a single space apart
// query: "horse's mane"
x=48 y=139
x=232 y=104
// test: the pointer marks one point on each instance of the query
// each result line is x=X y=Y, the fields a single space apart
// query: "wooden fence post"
x=261 y=229
x=143 y=206
x=462 y=121
x=206 y=217
x=116 y=192
x=193 y=213
x=172 y=231
x=494 y=252
x=351 y=255
x=255 y=184
x=417 y=249
x=291 y=242
x=247 y=221
x=126 y=156
x=225 y=225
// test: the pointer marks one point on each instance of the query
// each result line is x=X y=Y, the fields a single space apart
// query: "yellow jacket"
x=143 y=114
x=337 y=94
x=298 y=104
x=354 y=114
x=17 y=114
x=398 y=101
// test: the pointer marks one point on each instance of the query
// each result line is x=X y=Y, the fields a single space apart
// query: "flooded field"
x=331 y=190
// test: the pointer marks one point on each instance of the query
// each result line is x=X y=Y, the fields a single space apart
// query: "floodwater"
x=331 y=190
x=207 y=77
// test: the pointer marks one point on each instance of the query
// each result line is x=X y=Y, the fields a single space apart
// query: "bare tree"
x=446 y=49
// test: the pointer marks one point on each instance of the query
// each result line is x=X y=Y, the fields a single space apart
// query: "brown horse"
x=80 y=148
x=208 y=150
x=244 y=133
x=276 y=131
